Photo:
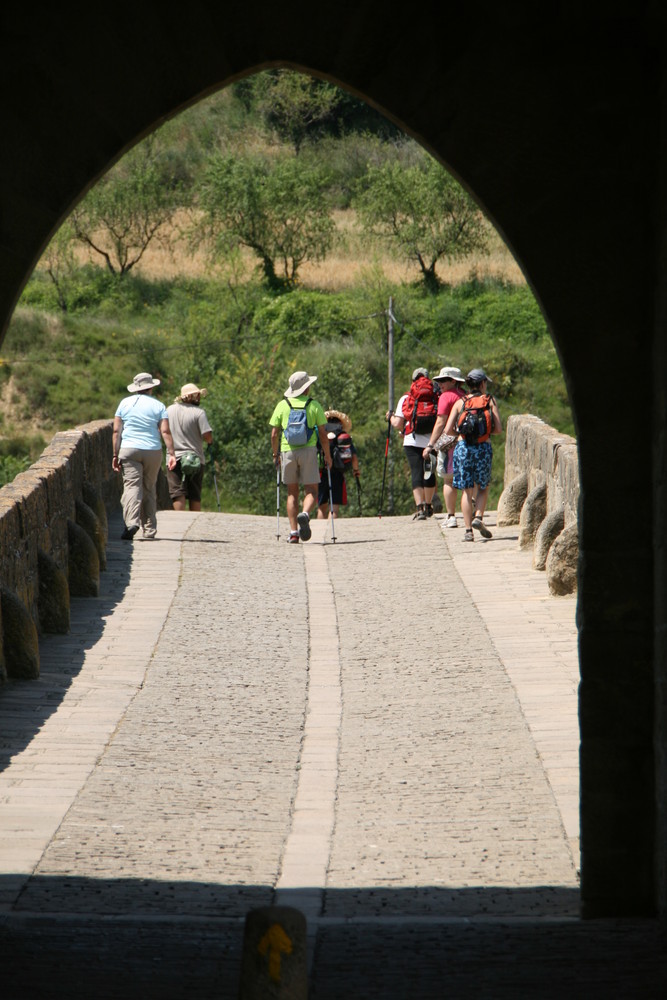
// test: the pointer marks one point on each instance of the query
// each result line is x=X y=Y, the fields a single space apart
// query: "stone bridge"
x=556 y=125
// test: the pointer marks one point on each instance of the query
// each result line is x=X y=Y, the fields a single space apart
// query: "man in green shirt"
x=297 y=455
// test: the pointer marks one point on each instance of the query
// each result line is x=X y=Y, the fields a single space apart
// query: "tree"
x=423 y=213
x=131 y=206
x=275 y=208
x=292 y=104
x=60 y=264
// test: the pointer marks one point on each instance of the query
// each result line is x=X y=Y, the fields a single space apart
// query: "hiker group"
x=446 y=432
x=141 y=424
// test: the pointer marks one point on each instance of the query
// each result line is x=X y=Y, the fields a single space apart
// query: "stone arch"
x=553 y=127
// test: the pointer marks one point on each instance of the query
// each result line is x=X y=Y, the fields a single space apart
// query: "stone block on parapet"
x=83 y=564
x=562 y=562
x=87 y=519
x=53 y=602
x=19 y=638
x=548 y=531
x=512 y=500
x=533 y=513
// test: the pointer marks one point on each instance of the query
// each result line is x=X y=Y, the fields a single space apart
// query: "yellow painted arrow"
x=277 y=943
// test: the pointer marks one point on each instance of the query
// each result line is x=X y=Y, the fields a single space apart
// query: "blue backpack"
x=297 y=430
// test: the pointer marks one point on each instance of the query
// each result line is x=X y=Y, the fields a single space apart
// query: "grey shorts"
x=300 y=466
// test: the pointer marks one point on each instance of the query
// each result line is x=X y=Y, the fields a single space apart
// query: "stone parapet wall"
x=53 y=533
x=541 y=495
x=545 y=456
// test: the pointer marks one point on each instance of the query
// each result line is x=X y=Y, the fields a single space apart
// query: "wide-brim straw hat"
x=190 y=389
x=341 y=417
x=298 y=383
x=143 y=381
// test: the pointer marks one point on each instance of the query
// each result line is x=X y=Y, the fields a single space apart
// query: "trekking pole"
x=384 y=473
x=359 y=495
x=331 y=506
x=215 y=481
x=278 y=502
x=217 y=495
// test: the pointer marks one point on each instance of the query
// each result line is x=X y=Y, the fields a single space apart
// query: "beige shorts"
x=300 y=466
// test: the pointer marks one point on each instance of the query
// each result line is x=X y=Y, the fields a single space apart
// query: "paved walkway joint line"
x=306 y=856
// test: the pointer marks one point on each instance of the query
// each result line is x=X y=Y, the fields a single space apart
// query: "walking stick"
x=359 y=495
x=384 y=473
x=278 y=502
x=331 y=510
x=215 y=483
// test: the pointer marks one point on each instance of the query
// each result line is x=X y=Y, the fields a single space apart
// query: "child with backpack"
x=343 y=458
x=474 y=419
x=415 y=417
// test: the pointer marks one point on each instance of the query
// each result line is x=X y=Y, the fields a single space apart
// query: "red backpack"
x=420 y=408
x=475 y=421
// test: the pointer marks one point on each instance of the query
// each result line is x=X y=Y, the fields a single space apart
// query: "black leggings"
x=416 y=463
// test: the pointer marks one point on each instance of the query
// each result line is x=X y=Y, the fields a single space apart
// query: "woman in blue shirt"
x=139 y=427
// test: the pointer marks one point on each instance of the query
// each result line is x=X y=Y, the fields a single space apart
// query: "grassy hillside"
x=58 y=371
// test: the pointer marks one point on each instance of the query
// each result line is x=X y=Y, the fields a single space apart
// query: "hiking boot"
x=303 y=520
x=468 y=537
x=481 y=527
x=451 y=521
x=293 y=536
x=129 y=533
x=421 y=514
x=428 y=507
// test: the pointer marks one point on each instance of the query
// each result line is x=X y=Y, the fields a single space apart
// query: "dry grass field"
x=345 y=266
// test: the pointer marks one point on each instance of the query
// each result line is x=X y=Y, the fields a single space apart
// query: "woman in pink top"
x=451 y=382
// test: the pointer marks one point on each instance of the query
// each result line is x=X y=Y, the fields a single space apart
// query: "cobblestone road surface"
x=380 y=731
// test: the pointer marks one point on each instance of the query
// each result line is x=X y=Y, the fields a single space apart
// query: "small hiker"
x=190 y=430
x=343 y=457
x=415 y=417
x=450 y=381
x=297 y=423
x=474 y=418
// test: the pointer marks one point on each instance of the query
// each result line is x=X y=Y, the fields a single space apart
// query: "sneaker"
x=421 y=515
x=428 y=507
x=481 y=527
x=293 y=536
x=303 y=520
x=468 y=537
x=451 y=521
x=129 y=533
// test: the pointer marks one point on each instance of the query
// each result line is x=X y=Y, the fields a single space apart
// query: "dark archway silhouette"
x=555 y=126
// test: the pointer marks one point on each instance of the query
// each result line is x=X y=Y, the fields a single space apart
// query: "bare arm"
x=169 y=443
x=208 y=437
x=453 y=416
x=117 y=435
x=396 y=421
x=324 y=441
x=497 y=424
x=275 y=443
x=438 y=428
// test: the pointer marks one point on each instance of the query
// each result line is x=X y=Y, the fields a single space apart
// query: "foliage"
x=276 y=209
x=132 y=206
x=294 y=105
x=421 y=212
